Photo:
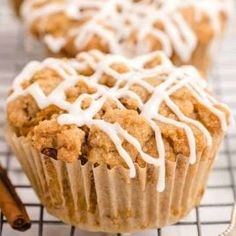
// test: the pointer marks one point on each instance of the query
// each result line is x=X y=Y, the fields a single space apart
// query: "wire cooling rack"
x=209 y=219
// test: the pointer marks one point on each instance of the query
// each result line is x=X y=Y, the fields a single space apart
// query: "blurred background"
x=213 y=215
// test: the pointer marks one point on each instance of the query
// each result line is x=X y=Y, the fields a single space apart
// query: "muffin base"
x=108 y=200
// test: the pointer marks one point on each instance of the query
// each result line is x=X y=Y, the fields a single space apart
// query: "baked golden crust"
x=60 y=25
x=70 y=142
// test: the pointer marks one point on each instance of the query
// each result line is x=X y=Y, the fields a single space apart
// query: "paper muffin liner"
x=97 y=198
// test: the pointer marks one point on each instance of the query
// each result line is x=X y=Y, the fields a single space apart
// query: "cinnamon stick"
x=11 y=205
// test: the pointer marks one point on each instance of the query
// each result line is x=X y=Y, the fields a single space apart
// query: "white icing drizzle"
x=56 y=44
x=115 y=21
x=172 y=79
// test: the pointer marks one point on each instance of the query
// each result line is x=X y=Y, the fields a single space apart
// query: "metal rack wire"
x=209 y=219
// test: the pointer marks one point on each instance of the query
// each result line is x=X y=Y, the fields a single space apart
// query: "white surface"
x=214 y=219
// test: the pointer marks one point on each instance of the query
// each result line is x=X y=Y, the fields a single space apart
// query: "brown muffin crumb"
x=72 y=142
x=61 y=25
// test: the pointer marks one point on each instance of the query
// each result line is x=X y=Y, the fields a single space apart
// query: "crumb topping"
x=108 y=109
x=126 y=27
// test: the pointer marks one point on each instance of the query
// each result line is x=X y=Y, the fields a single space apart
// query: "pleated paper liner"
x=108 y=200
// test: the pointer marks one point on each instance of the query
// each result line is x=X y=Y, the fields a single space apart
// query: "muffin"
x=114 y=144
x=187 y=31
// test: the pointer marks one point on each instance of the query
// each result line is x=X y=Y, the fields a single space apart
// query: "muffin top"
x=130 y=28
x=115 y=111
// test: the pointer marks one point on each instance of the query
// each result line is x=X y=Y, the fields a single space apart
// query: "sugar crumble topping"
x=136 y=72
x=126 y=26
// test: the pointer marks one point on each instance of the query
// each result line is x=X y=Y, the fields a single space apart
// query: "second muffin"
x=187 y=31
